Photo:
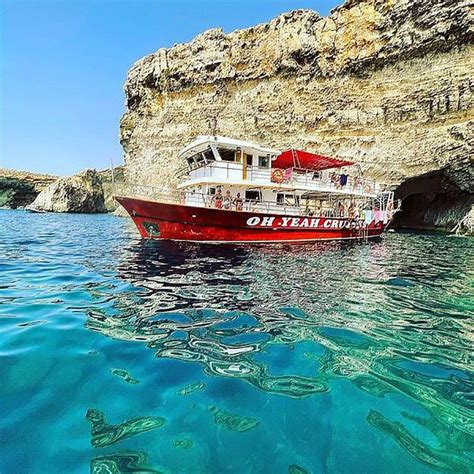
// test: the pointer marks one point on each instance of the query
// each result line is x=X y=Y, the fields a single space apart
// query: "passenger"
x=324 y=209
x=390 y=210
x=217 y=199
x=239 y=203
x=341 y=209
x=317 y=208
x=227 y=201
x=351 y=211
x=356 y=211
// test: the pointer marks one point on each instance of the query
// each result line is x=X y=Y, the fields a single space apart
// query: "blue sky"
x=63 y=65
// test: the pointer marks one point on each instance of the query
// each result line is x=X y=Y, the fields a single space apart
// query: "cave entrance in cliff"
x=431 y=201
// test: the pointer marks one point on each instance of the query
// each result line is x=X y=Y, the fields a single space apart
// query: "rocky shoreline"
x=87 y=192
x=20 y=188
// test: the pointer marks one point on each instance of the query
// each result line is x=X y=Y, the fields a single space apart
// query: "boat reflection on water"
x=363 y=313
x=214 y=305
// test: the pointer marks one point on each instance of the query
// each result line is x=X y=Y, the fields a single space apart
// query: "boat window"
x=252 y=195
x=212 y=190
x=195 y=161
x=249 y=159
x=208 y=155
x=226 y=155
x=199 y=159
x=264 y=161
x=287 y=199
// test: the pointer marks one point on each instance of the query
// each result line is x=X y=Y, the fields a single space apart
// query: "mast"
x=112 y=173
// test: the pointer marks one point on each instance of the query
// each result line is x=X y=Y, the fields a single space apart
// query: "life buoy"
x=277 y=176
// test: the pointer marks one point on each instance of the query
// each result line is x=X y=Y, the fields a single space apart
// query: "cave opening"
x=16 y=193
x=432 y=201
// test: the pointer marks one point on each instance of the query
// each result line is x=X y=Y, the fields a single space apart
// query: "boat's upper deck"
x=216 y=160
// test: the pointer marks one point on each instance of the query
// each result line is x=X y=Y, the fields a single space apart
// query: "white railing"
x=190 y=198
x=145 y=191
x=295 y=177
x=331 y=181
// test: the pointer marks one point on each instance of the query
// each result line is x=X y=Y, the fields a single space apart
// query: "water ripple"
x=389 y=320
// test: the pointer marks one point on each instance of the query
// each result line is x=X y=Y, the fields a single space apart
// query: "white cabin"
x=216 y=164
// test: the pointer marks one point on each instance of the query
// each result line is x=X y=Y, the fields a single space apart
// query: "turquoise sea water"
x=118 y=355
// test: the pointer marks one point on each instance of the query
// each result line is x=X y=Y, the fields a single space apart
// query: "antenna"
x=212 y=124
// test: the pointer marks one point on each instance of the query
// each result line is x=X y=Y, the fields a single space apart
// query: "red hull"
x=179 y=222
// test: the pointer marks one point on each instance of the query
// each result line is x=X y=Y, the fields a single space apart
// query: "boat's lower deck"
x=180 y=222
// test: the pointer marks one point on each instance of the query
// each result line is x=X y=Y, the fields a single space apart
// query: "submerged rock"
x=123 y=374
x=437 y=456
x=233 y=422
x=104 y=434
x=183 y=443
x=117 y=463
x=295 y=469
x=191 y=388
x=81 y=193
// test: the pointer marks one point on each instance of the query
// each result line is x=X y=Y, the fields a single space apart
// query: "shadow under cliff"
x=16 y=193
x=432 y=201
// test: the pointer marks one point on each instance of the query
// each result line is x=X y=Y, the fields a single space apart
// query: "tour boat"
x=235 y=191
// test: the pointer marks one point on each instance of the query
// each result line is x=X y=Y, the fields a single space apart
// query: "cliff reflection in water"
x=374 y=314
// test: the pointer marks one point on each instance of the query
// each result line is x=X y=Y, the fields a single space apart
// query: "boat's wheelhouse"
x=215 y=159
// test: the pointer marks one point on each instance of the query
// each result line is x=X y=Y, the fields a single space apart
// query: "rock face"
x=386 y=83
x=82 y=193
x=20 y=188
x=106 y=177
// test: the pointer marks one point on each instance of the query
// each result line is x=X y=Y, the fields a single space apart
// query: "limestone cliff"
x=386 y=83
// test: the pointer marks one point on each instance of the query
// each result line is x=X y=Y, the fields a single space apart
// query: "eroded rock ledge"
x=388 y=84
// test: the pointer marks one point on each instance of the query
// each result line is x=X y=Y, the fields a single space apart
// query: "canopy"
x=306 y=160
